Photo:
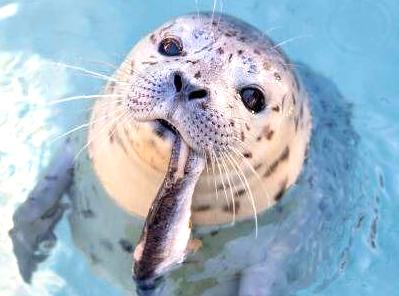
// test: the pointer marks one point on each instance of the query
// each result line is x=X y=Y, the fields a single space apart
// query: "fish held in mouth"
x=167 y=229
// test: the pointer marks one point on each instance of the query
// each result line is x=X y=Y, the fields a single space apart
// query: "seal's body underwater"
x=231 y=95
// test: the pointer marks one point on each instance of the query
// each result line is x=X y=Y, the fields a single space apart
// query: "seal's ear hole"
x=253 y=98
x=170 y=46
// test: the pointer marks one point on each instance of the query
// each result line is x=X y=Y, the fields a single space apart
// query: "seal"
x=234 y=99
x=231 y=95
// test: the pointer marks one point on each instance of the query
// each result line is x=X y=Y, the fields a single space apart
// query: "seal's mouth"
x=164 y=125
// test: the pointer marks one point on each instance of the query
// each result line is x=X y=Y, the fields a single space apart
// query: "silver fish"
x=167 y=229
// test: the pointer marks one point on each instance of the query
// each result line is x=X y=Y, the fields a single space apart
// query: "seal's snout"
x=198 y=94
x=188 y=90
x=178 y=81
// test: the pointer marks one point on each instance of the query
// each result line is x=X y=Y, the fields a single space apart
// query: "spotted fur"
x=266 y=149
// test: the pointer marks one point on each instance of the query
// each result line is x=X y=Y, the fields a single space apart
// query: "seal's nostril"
x=197 y=94
x=178 y=82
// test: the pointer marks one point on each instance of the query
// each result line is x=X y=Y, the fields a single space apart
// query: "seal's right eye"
x=253 y=99
x=170 y=46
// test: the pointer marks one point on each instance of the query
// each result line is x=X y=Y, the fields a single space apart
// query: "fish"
x=167 y=229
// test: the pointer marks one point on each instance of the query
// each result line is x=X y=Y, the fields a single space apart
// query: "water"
x=353 y=43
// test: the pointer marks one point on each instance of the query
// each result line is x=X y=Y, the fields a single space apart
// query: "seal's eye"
x=253 y=99
x=170 y=46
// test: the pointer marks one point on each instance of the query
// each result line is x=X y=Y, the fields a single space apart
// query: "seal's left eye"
x=170 y=46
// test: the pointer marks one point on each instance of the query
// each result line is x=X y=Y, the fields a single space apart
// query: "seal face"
x=232 y=96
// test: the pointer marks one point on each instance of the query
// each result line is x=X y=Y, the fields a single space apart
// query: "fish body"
x=167 y=229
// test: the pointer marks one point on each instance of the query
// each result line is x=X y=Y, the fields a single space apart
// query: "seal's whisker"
x=89 y=72
x=135 y=71
x=223 y=160
x=220 y=15
x=293 y=65
x=221 y=177
x=214 y=174
x=81 y=97
x=208 y=176
x=275 y=46
x=197 y=7
x=244 y=180
x=104 y=63
x=273 y=29
x=213 y=10
x=103 y=129
x=254 y=172
x=77 y=128
x=85 y=125
x=250 y=166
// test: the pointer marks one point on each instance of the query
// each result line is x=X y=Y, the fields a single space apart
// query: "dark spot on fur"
x=297 y=84
x=273 y=167
x=281 y=192
x=267 y=132
x=381 y=180
x=126 y=245
x=247 y=154
x=94 y=188
x=214 y=232
x=229 y=208
x=360 y=221
x=373 y=233
x=239 y=193
x=111 y=86
x=242 y=136
x=152 y=38
x=283 y=101
x=293 y=99
x=111 y=136
x=247 y=127
x=106 y=244
x=230 y=57
x=256 y=51
x=119 y=140
x=87 y=213
x=94 y=259
x=220 y=50
x=285 y=154
x=197 y=75
x=240 y=51
x=277 y=76
x=258 y=166
x=201 y=208
x=51 y=177
x=267 y=65
x=276 y=108
x=242 y=39
x=149 y=63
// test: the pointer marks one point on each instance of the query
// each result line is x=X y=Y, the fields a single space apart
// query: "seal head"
x=232 y=96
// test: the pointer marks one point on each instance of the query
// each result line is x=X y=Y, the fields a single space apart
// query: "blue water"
x=353 y=43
